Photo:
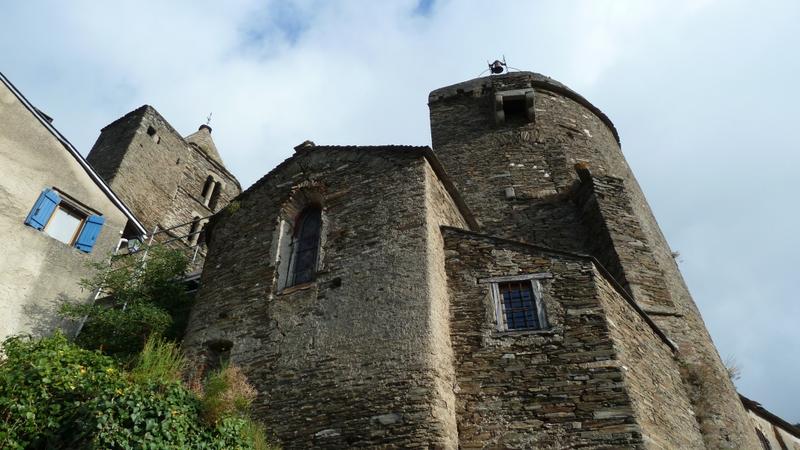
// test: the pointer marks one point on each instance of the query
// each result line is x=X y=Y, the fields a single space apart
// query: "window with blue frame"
x=65 y=220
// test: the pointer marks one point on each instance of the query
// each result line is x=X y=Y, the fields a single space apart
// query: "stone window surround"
x=526 y=95
x=281 y=252
x=533 y=278
x=208 y=191
x=199 y=200
x=196 y=227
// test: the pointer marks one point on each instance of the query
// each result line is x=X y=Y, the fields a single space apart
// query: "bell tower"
x=172 y=183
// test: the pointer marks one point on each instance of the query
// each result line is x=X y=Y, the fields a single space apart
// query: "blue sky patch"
x=423 y=7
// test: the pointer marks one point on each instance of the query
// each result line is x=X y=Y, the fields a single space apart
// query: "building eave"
x=75 y=154
x=759 y=410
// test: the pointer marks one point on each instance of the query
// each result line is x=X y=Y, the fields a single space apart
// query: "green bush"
x=141 y=298
x=117 y=332
x=43 y=386
x=56 y=395
x=119 y=385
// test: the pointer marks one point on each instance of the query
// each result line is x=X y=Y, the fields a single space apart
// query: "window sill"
x=296 y=288
x=199 y=200
x=542 y=332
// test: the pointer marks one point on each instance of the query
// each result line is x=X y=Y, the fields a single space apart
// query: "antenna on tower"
x=208 y=119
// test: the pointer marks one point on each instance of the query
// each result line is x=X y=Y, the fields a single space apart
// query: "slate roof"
x=202 y=139
x=756 y=407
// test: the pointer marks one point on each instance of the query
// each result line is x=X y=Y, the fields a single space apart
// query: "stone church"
x=508 y=287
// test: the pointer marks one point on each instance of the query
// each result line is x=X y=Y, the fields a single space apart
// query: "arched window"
x=194 y=230
x=305 y=246
x=207 y=188
x=214 y=198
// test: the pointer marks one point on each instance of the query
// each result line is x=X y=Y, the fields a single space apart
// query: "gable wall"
x=353 y=359
x=37 y=271
x=553 y=389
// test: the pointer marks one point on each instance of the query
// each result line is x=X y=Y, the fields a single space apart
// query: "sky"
x=704 y=94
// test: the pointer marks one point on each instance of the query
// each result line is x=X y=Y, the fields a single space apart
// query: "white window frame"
x=71 y=204
x=538 y=299
x=70 y=209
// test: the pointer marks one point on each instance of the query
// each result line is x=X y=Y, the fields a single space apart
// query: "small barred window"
x=518 y=306
x=518 y=302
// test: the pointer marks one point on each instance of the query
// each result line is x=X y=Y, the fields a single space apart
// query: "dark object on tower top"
x=497 y=67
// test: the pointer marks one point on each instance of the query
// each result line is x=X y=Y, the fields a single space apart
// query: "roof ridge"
x=132 y=113
x=302 y=150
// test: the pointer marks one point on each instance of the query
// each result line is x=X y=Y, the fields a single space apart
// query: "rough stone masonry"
x=405 y=336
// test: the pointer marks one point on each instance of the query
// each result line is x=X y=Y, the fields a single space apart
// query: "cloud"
x=704 y=95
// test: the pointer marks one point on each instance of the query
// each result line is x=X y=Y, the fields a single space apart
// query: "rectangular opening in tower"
x=515 y=109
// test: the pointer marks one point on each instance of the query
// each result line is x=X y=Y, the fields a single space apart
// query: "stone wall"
x=536 y=159
x=614 y=236
x=601 y=375
x=440 y=212
x=143 y=170
x=358 y=357
x=556 y=388
x=651 y=374
x=188 y=202
x=159 y=175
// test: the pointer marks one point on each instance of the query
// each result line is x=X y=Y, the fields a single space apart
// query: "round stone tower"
x=537 y=162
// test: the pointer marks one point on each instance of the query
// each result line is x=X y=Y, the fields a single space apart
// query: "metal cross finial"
x=208 y=119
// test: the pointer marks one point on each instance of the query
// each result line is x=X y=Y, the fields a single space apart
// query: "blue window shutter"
x=43 y=209
x=91 y=229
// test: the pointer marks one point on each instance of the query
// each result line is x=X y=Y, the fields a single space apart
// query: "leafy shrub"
x=117 y=332
x=43 y=385
x=123 y=389
x=55 y=395
x=142 y=298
